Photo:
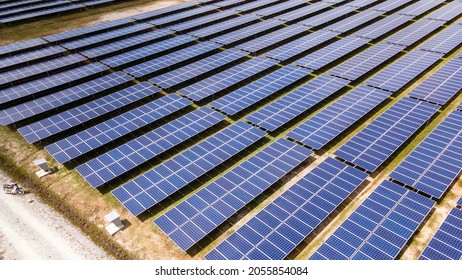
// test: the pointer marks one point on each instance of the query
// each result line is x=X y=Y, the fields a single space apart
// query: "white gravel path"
x=31 y=230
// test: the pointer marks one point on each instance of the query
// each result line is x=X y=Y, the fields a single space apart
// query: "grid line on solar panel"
x=446 y=244
x=323 y=127
x=448 y=12
x=353 y=21
x=382 y=27
x=46 y=84
x=414 y=32
x=442 y=85
x=279 y=8
x=165 y=11
x=277 y=229
x=22 y=46
x=63 y=97
x=18 y=60
x=375 y=143
x=181 y=16
x=167 y=178
x=202 y=21
x=445 y=41
x=262 y=88
x=328 y=16
x=380 y=227
x=226 y=79
x=143 y=53
x=287 y=108
x=301 y=45
x=224 y=197
x=37 y=14
x=304 y=12
x=331 y=52
x=437 y=161
x=366 y=61
x=398 y=74
x=196 y=69
x=98 y=135
x=420 y=7
x=118 y=161
x=223 y=27
x=29 y=72
x=126 y=44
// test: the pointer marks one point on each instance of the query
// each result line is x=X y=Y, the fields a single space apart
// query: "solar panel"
x=63 y=97
x=18 y=60
x=380 y=28
x=388 y=6
x=304 y=12
x=167 y=178
x=301 y=45
x=271 y=39
x=282 y=225
x=446 y=244
x=182 y=16
x=414 y=32
x=199 y=68
x=353 y=21
x=98 y=135
x=165 y=11
x=251 y=31
x=227 y=79
x=10 y=4
x=379 y=228
x=323 y=127
x=290 y=106
x=45 y=85
x=126 y=44
x=420 y=7
x=262 y=88
x=280 y=8
x=445 y=41
x=186 y=225
x=226 y=4
x=404 y=70
x=32 y=7
x=39 y=14
x=366 y=61
x=447 y=12
x=207 y=20
x=254 y=5
x=128 y=156
x=146 y=52
x=223 y=27
x=361 y=3
x=375 y=143
x=442 y=85
x=436 y=162
x=22 y=46
x=328 y=16
x=331 y=52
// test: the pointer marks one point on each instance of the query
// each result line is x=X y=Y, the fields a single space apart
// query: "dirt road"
x=31 y=230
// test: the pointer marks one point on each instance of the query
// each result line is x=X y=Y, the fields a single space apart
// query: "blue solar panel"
x=226 y=4
x=63 y=97
x=336 y=118
x=22 y=46
x=366 y=61
x=446 y=244
x=292 y=216
x=442 y=85
x=388 y=6
x=196 y=69
x=398 y=74
x=223 y=27
x=40 y=13
x=254 y=5
x=118 y=161
x=420 y=7
x=304 y=12
x=157 y=184
x=45 y=85
x=18 y=60
x=361 y=3
x=262 y=88
x=280 y=8
x=301 y=45
x=217 y=202
x=380 y=227
x=382 y=27
x=182 y=16
x=447 y=12
x=251 y=31
x=375 y=143
x=445 y=41
x=354 y=21
x=414 y=32
x=207 y=20
x=287 y=108
x=328 y=16
x=437 y=161
x=32 y=7
x=226 y=79
x=165 y=11
x=98 y=135
x=331 y=52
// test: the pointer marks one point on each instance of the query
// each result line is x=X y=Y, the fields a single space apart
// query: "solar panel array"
x=379 y=228
x=414 y=32
x=445 y=41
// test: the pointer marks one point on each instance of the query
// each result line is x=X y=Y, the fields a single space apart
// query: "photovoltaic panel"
x=290 y=106
x=276 y=230
x=303 y=12
x=420 y=7
x=21 y=46
x=442 y=85
x=226 y=4
x=44 y=85
x=361 y=3
x=4 y=5
x=207 y=20
x=254 y=5
x=375 y=143
x=167 y=178
x=32 y=8
x=353 y=21
x=55 y=100
x=251 y=31
x=41 y=13
x=446 y=244
x=445 y=41
x=98 y=135
x=197 y=216
x=226 y=79
x=382 y=27
x=447 y=12
x=18 y=60
x=404 y=70
x=323 y=127
x=366 y=61
x=328 y=16
x=436 y=162
x=331 y=52
x=390 y=5
x=298 y=46
x=198 y=68
x=182 y=16
x=126 y=157
x=280 y=8
x=262 y=88
x=157 y=13
x=223 y=27
x=414 y=32
x=379 y=228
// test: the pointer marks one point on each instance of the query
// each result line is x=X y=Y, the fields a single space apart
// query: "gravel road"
x=31 y=230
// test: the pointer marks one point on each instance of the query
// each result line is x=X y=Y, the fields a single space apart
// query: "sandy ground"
x=31 y=230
